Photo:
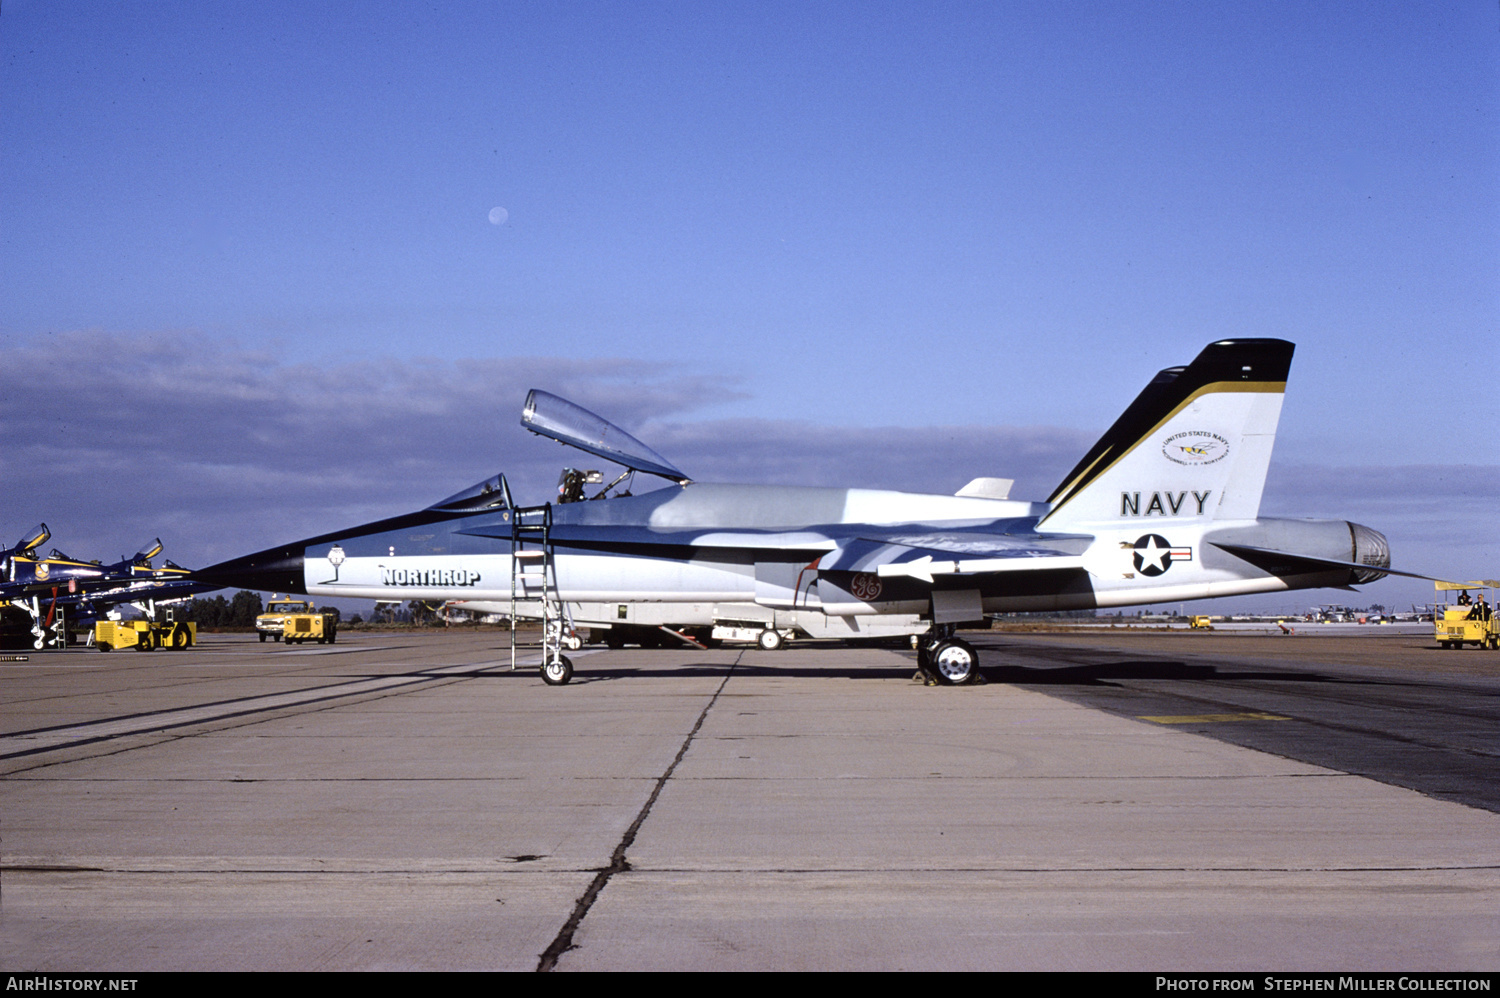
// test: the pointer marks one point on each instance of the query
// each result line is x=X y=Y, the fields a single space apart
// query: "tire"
x=262 y=637
x=770 y=640
x=558 y=671
x=955 y=663
x=104 y=646
x=333 y=635
x=180 y=638
x=615 y=639
x=144 y=642
x=572 y=642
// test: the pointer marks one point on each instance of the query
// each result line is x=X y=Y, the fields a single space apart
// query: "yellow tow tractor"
x=295 y=621
x=1202 y=622
x=1467 y=618
x=145 y=635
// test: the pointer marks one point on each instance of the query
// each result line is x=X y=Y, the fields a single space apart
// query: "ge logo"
x=865 y=587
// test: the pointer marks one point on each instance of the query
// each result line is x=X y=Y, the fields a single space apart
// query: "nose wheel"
x=558 y=671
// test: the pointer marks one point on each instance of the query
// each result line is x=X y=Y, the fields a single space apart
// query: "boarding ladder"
x=533 y=576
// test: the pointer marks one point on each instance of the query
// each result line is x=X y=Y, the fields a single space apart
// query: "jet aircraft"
x=46 y=589
x=1163 y=508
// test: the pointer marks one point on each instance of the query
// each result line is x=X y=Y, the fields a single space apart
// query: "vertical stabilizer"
x=1194 y=446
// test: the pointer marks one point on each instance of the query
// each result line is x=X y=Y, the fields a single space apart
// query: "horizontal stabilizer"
x=1287 y=563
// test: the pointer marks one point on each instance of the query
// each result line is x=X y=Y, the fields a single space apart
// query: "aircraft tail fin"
x=1195 y=445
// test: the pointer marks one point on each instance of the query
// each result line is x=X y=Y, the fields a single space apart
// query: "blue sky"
x=849 y=229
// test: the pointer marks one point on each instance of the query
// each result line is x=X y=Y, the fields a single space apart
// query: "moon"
x=498 y=215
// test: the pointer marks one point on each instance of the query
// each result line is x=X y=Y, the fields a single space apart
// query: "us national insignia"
x=1154 y=554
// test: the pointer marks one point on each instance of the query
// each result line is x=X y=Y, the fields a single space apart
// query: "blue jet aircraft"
x=46 y=589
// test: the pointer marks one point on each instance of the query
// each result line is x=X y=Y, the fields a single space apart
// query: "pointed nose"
x=277 y=570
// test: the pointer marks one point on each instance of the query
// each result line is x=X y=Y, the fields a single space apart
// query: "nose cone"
x=276 y=570
x=1370 y=548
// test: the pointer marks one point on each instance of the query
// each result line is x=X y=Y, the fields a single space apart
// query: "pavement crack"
x=617 y=861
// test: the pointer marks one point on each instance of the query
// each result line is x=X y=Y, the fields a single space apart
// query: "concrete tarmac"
x=403 y=801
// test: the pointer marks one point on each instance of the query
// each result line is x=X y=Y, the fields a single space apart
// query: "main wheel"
x=954 y=663
x=558 y=671
x=615 y=638
x=770 y=639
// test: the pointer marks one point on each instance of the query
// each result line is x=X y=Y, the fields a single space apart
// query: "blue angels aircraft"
x=48 y=589
x=1164 y=508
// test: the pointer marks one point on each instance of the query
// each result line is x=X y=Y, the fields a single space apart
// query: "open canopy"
x=555 y=417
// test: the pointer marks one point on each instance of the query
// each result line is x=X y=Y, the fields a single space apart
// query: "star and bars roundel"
x=1154 y=554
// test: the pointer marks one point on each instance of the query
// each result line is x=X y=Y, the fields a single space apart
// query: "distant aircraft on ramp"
x=48 y=590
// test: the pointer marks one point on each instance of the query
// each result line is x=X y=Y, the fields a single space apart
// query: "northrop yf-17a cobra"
x=1164 y=508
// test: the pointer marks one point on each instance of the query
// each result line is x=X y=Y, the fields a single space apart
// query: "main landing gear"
x=946 y=660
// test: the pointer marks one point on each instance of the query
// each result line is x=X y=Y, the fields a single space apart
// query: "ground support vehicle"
x=1201 y=623
x=296 y=620
x=1458 y=621
x=300 y=627
x=144 y=635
